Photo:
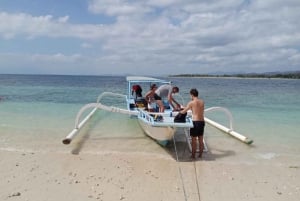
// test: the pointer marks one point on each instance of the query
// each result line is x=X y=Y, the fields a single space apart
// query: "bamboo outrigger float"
x=158 y=130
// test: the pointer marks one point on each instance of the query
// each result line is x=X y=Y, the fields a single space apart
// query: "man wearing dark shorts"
x=198 y=128
x=197 y=132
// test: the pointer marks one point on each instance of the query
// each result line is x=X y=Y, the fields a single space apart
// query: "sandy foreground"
x=118 y=175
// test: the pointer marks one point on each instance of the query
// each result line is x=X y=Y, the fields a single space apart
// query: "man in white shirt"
x=166 y=91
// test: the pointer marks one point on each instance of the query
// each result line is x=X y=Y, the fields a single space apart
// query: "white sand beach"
x=29 y=175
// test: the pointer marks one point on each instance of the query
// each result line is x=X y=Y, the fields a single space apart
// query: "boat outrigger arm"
x=229 y=130
x=99 y=105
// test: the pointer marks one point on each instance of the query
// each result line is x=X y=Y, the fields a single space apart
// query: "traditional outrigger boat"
x=162 y=131
x=158 y=130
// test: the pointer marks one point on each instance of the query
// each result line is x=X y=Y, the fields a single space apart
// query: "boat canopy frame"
x=131 y=80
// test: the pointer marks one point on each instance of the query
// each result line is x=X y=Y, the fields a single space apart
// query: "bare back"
x=197 y=107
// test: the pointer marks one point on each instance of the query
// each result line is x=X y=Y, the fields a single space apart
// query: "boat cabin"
x=137 y=87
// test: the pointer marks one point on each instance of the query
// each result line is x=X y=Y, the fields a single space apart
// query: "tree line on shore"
x=286 y=75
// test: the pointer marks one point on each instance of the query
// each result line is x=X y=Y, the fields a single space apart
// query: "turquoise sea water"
x=38 y=111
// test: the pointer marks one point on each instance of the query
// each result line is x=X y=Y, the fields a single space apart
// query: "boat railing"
x=168 y=119
x=146 y=116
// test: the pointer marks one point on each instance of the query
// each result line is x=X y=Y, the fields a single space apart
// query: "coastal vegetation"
x=286 y=75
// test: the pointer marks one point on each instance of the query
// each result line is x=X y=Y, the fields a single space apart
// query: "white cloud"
x=204 y=36
x=58 y=57
x=117 y=7
x=86 y=45
x=22 y=24
x=63 y=19
x=162 y=3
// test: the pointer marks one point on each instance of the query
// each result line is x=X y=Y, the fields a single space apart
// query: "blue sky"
x=149 y=37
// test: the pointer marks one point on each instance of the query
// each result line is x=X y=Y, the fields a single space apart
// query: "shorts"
x=151 y=105
x=157 y=97
x=198 y=128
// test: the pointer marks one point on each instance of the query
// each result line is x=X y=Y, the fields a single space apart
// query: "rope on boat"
x=179 y=169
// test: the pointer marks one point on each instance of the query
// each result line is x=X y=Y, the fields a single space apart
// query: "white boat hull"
x=157 y=133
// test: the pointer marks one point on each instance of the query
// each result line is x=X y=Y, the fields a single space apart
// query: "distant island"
x=286 y=75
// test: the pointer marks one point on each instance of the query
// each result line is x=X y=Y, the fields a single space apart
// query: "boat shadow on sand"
x=181 y=146
x=181 y=151
x=184 y=154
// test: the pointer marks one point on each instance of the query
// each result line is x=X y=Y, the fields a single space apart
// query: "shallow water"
x=38 y=111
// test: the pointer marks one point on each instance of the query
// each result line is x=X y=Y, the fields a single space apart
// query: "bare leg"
x=194 y=146
x=161 y=106
x=201 y=145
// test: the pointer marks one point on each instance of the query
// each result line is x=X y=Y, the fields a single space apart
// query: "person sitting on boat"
x=149 y=96
x=140 y=101
x=137 y=90
x=166 y=91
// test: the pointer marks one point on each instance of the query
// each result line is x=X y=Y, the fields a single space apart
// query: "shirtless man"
x=197 y=107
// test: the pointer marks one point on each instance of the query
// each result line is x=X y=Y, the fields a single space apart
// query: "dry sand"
x=41 y=176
